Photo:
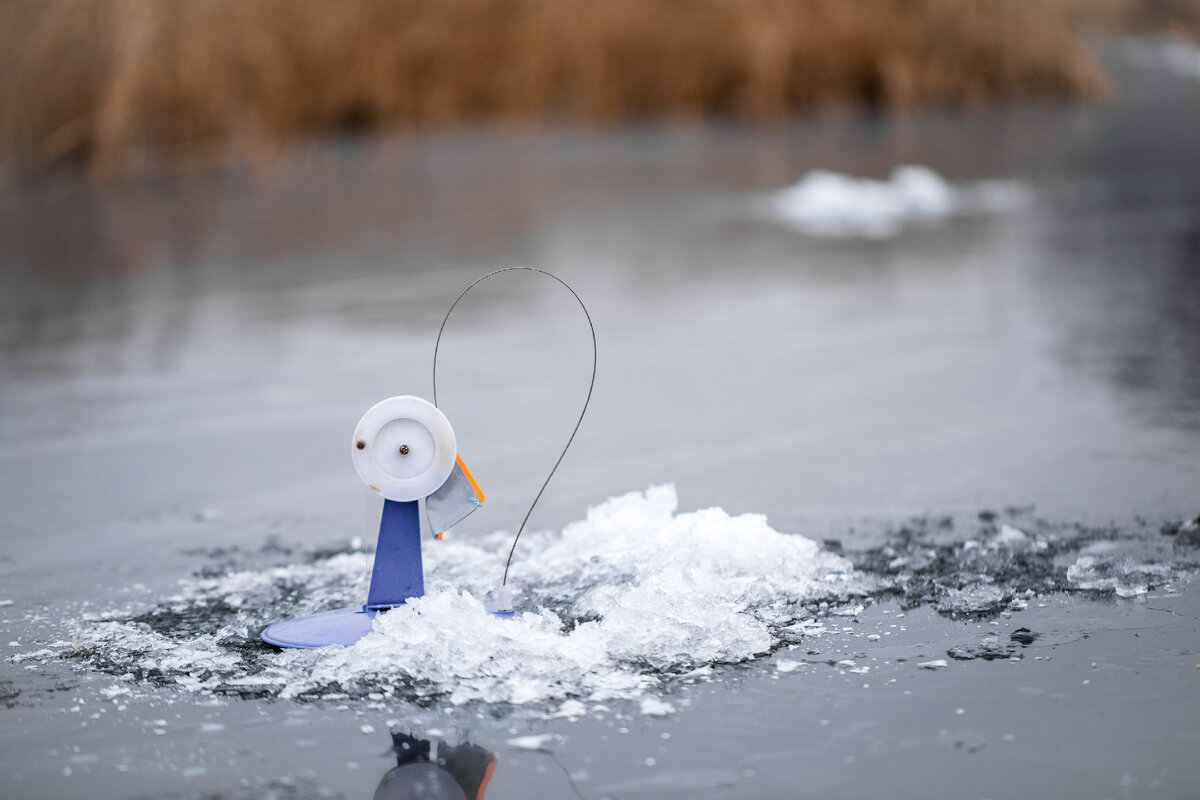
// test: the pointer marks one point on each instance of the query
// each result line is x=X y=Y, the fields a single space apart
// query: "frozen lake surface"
x=900 y=515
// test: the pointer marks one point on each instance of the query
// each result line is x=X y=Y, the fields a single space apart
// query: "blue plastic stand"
x=396 y=576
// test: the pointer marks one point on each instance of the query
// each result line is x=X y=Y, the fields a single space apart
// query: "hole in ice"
x=619 y=605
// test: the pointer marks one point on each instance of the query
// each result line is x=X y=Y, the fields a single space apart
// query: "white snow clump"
x=829 y=204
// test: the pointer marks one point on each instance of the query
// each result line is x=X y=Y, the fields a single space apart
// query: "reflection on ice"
x=428 y=771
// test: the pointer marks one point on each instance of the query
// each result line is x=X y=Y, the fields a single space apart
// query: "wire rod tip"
x=591 y=385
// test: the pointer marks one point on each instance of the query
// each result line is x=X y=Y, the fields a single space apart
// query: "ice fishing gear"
x=405 y=451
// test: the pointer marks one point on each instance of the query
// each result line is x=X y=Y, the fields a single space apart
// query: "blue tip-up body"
x=404 y=449
x=397 y=576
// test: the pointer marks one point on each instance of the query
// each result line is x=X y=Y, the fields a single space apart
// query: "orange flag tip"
x=470 y=479
x=454 y=501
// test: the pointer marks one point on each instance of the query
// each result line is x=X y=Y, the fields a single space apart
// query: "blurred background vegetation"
x=116 y=84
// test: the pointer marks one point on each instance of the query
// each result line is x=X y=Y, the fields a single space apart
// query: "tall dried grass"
x=109 y=80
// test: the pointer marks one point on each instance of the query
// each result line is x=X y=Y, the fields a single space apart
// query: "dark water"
x=182 y=357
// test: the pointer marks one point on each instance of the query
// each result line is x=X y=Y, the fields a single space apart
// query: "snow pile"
x=630 y=594
x=830 y=204
x=620 y=602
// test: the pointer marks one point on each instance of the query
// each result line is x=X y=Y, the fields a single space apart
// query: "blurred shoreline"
x=120 y=85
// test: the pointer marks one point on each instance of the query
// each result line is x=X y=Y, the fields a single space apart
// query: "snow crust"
x=830 y=204
x=617 y=606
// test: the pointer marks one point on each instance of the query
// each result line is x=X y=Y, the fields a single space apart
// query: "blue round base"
x=344 y=626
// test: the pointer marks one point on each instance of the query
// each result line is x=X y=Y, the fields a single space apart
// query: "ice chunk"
x=1023 y=636
x=1121 y=576
x=571 y=708
x=1011 y=538
x=989 y=649
x=41 y=654
x=538 y=742
x=653 y=707
x=848 y=611
x=975 y=598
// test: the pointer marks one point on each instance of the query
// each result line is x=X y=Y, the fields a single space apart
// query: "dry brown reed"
x=105 y=81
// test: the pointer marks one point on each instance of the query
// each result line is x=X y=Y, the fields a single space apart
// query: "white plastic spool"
x=404 y=448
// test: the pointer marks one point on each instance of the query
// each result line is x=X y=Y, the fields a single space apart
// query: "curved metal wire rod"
x=591 y=385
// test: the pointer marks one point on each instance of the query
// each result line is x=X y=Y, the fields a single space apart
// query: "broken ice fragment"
x=653 y=707
x=538 y=742
x=1023 y=636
